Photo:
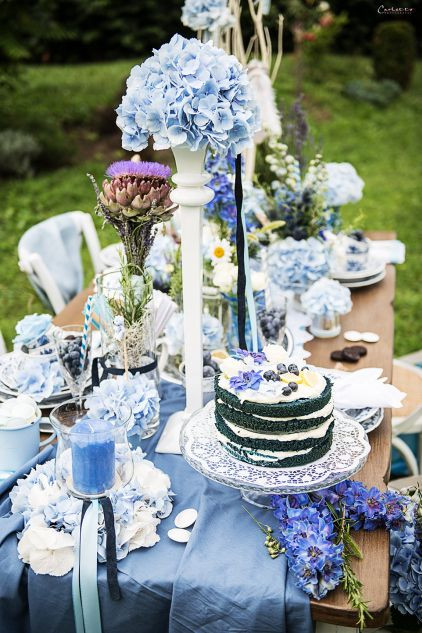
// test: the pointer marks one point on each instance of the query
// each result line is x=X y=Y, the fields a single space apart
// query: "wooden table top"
x=372 y=310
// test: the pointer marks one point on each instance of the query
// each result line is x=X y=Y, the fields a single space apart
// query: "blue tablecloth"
x=222 y=581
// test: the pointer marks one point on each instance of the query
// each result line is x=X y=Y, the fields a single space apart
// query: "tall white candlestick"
x=191 y=194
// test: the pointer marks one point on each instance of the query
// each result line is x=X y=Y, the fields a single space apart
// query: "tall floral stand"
x=191 y=194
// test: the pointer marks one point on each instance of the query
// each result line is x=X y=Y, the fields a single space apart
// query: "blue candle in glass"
x=93 y=456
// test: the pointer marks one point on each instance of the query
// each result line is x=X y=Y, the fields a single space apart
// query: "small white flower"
x=258 y=281
x=220 y=251
x=43 y=493
x=232 y=366
x=152 y=481
x=47 y=550
x=225 y=276
x=276 y=354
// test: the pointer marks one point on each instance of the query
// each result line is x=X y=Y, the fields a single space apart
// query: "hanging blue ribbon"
x=244 y=285
x=86 y=604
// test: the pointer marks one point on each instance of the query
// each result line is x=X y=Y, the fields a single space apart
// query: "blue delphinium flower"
x=246 y=380
x=308 y=533
x=188 y=93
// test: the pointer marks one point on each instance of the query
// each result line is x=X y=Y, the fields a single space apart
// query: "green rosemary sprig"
x=272 y=544
x=350 y=583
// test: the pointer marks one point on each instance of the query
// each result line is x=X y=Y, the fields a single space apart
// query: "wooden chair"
x=408 y=419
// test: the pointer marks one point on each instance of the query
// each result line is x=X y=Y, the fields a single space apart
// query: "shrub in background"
x=17 y=152
x=394 y=52
x=380 y=93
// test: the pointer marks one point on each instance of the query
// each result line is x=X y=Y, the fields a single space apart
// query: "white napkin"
x=164 y=308
x=169 y=439
x=297 y=322
x=388 y=251
x=364 y=388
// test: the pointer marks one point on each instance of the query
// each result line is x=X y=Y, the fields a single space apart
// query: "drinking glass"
x=74 y=353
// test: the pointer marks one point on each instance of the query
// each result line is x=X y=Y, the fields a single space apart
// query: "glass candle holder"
x=93 y=455
x=325 y=325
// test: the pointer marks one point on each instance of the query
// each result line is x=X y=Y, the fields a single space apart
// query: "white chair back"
x=38 y=268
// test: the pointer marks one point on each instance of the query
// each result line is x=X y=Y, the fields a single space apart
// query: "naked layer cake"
x=270 y=411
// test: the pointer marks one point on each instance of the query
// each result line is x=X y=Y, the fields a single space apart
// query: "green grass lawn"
x=383 y=144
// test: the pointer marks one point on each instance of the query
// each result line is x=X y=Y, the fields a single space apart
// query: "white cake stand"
x=201 y=449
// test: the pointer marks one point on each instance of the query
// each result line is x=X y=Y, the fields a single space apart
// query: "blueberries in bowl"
x=272 y=323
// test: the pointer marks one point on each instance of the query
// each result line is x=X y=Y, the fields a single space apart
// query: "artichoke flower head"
x=137 y=191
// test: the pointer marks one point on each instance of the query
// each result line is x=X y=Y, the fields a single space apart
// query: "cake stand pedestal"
x=201 y=449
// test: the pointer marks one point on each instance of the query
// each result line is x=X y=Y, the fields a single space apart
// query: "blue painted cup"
x=20 y=443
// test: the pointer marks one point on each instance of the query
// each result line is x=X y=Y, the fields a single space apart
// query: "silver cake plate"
x=202 y=450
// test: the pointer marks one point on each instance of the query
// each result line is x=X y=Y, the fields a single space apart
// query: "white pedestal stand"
x=191 y=194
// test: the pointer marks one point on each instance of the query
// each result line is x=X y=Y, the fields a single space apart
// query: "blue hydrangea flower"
x=327 y=296
x=110 y=400
x=40 y=380
x=31 y=330
x=343 y=185
x=246 y=380
x=188 y=93
x=206 y=15
x=295 y=265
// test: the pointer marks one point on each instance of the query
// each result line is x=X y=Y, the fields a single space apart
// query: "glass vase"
x=132 y=348
x=93 y=456
x=230 y=319
x=325 y=325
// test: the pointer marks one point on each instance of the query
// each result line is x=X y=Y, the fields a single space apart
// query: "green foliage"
x=176 y=284
x=17 y=151
x=394 y=52
x=380 y=93
x=47 y=102
x=316 y=50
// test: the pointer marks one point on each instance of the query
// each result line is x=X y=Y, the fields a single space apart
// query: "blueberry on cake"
x=270 y=411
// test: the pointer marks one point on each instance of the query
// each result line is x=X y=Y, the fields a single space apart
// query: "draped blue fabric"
x=222 y=581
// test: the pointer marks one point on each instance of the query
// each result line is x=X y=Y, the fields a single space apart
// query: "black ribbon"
x=117 y=371
x=111 y=562
x=111 y=556
x=240 y=247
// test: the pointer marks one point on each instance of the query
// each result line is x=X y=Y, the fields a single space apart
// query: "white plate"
x=364 y=282
x=375 y=267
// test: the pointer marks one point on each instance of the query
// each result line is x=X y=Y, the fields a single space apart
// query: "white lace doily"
x=202 y=450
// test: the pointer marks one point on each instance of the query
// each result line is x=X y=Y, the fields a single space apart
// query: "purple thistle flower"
x=246 y=380
x=141 y=169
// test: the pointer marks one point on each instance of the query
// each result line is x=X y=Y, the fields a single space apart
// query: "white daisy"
x=220 y=251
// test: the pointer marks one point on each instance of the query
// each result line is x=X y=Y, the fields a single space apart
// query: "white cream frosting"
x=281 y=437
x=271 y=392
x=273 y=454
x=321 y=413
